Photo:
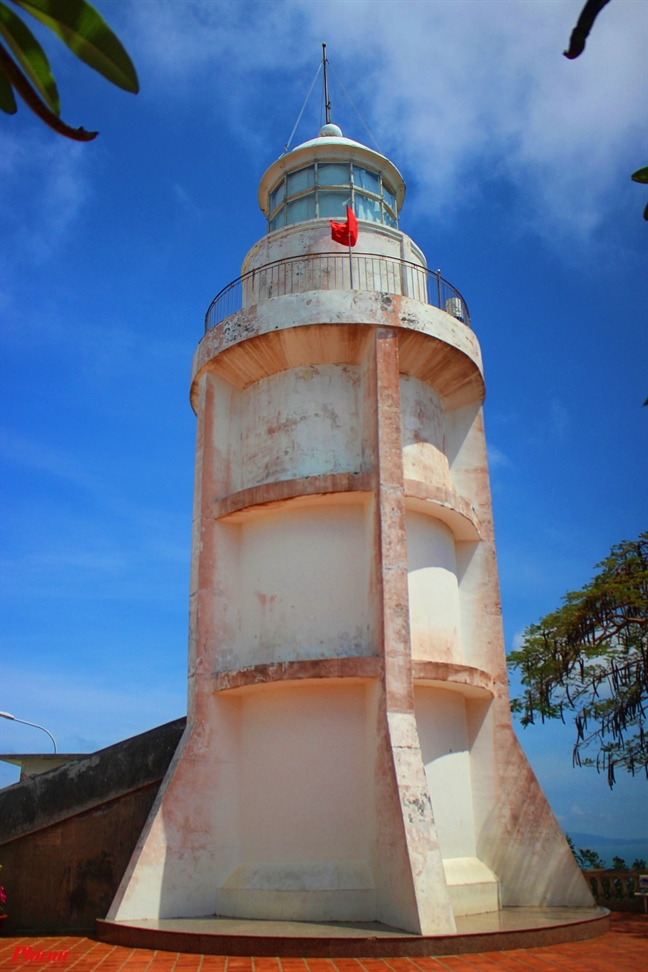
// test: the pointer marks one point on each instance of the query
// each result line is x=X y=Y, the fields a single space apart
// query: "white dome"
x=330 y=130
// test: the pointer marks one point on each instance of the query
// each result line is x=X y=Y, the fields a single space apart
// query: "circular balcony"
x=337 y=271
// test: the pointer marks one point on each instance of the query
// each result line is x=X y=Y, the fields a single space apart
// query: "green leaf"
x=7 y=100
x=641 y=175
x=34 y=101
x=30 y=54
x=89 y=37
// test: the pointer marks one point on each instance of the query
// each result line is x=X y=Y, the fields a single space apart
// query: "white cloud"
x=42 y=458
x=497 y=459
x=475 y=86
x=518 y=640
x=45 y=184
x=186 y=203
x=460 y=92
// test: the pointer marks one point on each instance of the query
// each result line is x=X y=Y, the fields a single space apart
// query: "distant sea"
x=609 y=847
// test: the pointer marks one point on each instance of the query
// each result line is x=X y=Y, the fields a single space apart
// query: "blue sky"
x=517 y=165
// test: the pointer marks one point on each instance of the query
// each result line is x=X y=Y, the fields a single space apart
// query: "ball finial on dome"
x=330 y=131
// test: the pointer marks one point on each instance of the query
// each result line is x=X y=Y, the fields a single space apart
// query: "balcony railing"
x=616 y=890
x=337 y=271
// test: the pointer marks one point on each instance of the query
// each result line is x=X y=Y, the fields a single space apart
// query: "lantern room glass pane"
x=366 y=208
x=278 y=221
x=389 y=196
x=333 y=174
x=334 y=204
x=363 y=179
x=277 y=196
x=300 y=180
x=389 y=219
x=300 y=209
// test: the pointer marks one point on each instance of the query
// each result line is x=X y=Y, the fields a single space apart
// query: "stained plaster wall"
x=315 y=237
x=423 y=431
x=300 y=422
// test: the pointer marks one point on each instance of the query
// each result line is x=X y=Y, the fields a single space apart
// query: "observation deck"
x=369 y=272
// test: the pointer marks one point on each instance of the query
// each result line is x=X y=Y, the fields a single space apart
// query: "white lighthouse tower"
x=349 y=754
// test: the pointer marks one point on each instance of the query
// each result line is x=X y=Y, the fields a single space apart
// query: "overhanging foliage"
x=26 y=69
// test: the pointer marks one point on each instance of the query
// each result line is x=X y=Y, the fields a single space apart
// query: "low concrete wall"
x=66 y=836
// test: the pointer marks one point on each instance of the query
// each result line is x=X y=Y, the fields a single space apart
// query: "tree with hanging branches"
x=25 y=69
x=589 y=658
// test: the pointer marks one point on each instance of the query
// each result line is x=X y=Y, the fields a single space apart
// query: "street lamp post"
x=7 y=715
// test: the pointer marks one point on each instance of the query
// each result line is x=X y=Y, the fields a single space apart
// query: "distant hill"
x=581 y=840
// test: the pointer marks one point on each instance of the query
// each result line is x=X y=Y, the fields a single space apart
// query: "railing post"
x=403 y=269
x=438 y=276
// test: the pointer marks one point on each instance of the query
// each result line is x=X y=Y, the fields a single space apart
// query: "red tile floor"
x=623 y=949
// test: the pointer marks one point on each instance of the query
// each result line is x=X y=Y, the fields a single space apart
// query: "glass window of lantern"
x=277 y=196
x=363 y=179
x=278 y=221
x=366 y=208
x=388 y=219
x=333 y=174
x=301 y=209
x=333 y=204
x=300 y=180
x=291 y=201
x=389 y=196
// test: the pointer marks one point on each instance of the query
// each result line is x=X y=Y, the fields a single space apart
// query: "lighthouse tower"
x=349 y=754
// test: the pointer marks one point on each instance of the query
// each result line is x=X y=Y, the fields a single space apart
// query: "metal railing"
x=337 y=271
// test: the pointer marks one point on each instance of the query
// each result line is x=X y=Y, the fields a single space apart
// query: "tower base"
x=509 y=928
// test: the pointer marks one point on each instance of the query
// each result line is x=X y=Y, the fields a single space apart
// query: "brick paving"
x=624 y=949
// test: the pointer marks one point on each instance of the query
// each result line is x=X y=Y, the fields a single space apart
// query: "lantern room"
x=321 y=177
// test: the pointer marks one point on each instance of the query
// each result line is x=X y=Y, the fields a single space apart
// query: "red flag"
x=346 y=233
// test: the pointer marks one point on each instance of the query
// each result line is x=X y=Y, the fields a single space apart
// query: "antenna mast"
x=327 y=103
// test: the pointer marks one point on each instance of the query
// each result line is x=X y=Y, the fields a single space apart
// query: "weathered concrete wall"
x=67 y=835
x=422 y=432
x=315 y=237
x=301 y=422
